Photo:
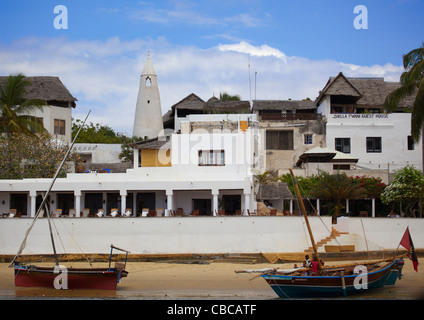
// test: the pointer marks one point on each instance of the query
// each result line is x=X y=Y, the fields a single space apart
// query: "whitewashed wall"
x=393 y=128
x=49 y=114
x=379 y=233
x=202 y=234
x=165 y=235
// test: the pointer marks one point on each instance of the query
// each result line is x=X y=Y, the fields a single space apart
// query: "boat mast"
x=302 y=206
x=47 y=194
x=51 y=237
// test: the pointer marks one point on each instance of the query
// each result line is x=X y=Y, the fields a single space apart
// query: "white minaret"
x=148 y=113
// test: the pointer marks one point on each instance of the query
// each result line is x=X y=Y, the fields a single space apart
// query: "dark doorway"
x=113 y=202
x=145 y=200
x=130 y=201
x=39 y=201
x=94 y=202
x=19 y=202
x=203 y=205
x=231 y=203
x=65 y=201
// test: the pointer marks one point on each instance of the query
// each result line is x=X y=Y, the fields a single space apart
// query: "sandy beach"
x=193 y=280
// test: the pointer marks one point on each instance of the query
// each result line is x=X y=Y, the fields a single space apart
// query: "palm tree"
x=227 y=97
x=263 y=178
x=412 y=81
x=336 y=188
x=14 y=107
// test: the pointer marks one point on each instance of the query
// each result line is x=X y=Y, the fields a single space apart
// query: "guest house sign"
x=360 y=116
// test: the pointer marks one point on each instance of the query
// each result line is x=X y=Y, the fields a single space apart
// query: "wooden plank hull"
x=76 y=278
x=287 y=286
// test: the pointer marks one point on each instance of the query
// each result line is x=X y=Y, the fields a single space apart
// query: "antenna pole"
x=255 y=83
x=250 y=86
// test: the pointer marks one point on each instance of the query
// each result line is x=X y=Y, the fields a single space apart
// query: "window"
x=59 y=126
x=341 y=166
x=343 y=145
x=307 y=139
x=211 y=158
x=279 y=140
x=373 y=144
x=410 y=143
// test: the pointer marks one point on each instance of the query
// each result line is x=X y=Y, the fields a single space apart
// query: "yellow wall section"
x=155 y=158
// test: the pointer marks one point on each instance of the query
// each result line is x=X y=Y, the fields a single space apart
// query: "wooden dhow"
x=59 y=276
x=321 y=281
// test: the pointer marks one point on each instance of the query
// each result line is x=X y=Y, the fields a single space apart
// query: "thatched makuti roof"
x=213 y=105
x=49 y=89
x=283 y=105
x=155 y=143
x=364 y=91
x=192 y=102
x=274 y=191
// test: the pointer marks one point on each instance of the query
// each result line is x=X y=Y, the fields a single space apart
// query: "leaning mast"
x=302 y=206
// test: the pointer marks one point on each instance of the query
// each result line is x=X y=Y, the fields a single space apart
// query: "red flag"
x=407 y=243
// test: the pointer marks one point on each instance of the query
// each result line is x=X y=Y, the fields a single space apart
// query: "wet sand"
x=214 y=280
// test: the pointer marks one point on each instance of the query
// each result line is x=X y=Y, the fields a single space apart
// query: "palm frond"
x=14 y=107
x=413 y=57
x=392 y=100
x=414 y=75
x=417 y=119
x=30 y=105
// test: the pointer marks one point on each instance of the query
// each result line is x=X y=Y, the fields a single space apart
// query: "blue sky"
x=204 y=47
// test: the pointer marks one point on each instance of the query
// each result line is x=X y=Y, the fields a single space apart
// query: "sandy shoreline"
x=215 y=280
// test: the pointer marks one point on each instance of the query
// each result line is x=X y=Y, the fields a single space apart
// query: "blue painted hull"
x=286 y=286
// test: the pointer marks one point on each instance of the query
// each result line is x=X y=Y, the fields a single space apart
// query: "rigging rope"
x=76 y=243
x=314 y=209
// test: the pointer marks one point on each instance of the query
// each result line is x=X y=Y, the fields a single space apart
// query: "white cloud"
x=261 y=51
x=104 y=75
x=188 y=13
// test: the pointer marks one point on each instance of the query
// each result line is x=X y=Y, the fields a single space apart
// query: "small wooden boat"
x=60 y=277
x=334 y=282
x=338 y=280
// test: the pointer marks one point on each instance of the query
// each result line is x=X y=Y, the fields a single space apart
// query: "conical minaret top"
x=148 y=114
x=148 y=69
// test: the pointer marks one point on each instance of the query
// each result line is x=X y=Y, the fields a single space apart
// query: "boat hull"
x=286 y=286
x=72 y=278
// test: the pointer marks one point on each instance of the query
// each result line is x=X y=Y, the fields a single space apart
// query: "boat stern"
x=395 y=272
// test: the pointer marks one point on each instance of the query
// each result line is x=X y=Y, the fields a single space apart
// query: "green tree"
x=223 y=96
x=14 y=107
x=335 y=189
x=412 y=81
x=373 y=187
x=305 y=183
x=36 y=156
x=407 y=187
x=95 y=133
x=263 y=178
x=127 y=153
